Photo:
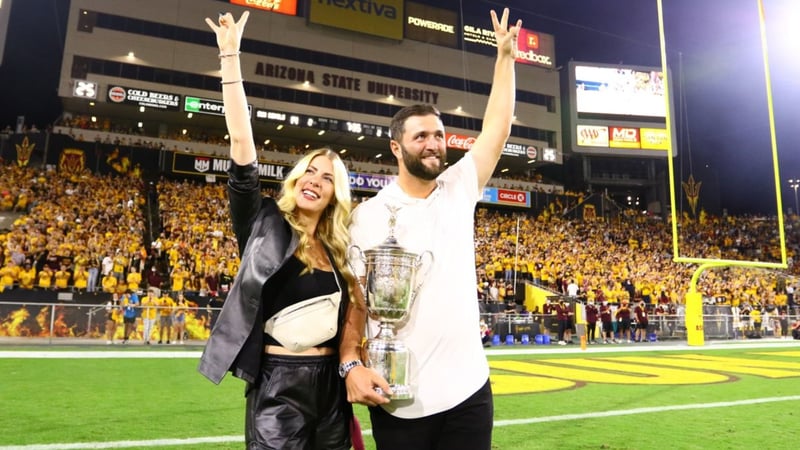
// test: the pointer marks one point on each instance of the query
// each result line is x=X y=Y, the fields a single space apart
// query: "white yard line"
x=100 y=353
x=499 y=423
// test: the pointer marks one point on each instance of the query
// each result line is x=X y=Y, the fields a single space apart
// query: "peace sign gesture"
x=506 y=36
x=229 y=32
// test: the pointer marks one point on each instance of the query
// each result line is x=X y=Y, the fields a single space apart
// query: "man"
x=641 y=322
x=149 y=312
x=130 y=302
x=165 y=308
x=449 y=375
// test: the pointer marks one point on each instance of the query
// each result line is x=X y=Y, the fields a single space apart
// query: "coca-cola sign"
x=460 y=142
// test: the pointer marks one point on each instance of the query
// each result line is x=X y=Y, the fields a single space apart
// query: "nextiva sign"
x=376 y=17
x=207 y=106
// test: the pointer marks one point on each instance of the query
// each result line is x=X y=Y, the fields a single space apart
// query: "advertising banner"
x=538 y=49
x=623 y=137
x=84 y=89
x=209 y=165
x=432 y=25
x=508 y=197
x=288 y=7
x=592 y=136
x=533 y=47
x=654 y=138
x=369 y=181
x=327 y=123
x=143 y=97
x=207 y=106
x=376 y=17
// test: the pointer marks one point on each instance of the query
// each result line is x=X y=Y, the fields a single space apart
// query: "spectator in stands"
x=80 y=278
x=292 y=249
x=154 y=280
x=27 y=276
x=8 y=275
x=133 y=279
x=109 y=283
x=61 y=278
x=107 y=264
x=434 y=199
x=45 y=277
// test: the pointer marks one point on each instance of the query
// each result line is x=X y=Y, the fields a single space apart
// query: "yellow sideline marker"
x=694 y=300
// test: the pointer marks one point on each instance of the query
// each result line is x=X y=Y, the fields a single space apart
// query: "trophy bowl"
x=390 y=288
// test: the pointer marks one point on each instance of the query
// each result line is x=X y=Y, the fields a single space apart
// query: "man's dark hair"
x=397 y=126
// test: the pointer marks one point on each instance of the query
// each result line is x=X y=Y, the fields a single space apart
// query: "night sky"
x=714 y=52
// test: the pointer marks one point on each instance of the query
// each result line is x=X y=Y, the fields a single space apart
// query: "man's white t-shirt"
x=447 y=361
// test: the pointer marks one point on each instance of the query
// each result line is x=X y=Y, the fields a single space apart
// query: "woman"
x=293 y=252
x=112 y=315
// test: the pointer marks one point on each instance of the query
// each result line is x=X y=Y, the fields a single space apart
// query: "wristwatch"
x=346 y=367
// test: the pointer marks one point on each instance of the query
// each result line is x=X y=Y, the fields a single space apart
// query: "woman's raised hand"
x=229 y=32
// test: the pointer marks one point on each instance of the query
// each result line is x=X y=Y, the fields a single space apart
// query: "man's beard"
x=417 y=167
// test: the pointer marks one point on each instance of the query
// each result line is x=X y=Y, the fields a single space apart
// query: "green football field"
x=719 y=396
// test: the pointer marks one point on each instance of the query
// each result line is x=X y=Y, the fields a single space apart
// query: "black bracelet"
x=231 y=82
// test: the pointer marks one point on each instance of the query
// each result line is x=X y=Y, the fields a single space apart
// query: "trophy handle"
x=361 y=257
x=421 y=276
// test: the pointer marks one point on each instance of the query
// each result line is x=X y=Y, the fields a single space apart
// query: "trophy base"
x=399 y=392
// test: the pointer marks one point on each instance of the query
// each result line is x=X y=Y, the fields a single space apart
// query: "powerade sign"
x=507 y=197
x=376 y=17
x=432 y=25
x=207 y=106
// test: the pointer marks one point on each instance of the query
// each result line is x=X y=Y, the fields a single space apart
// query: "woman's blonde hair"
x=334 y=222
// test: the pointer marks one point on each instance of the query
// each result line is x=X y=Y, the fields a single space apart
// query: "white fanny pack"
x=308 y=323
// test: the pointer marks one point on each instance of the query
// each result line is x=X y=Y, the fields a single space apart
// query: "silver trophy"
x=391 y=286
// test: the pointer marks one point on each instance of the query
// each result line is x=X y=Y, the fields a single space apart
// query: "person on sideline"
x=435 y=213
x=179 y=319
x=112 y=316
x=149 y=312
x=166 y=306
x=293 y=250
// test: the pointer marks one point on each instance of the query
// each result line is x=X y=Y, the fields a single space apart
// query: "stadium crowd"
x=87 y=232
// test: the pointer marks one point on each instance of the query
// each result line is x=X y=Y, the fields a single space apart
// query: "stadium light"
x=794 y=183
